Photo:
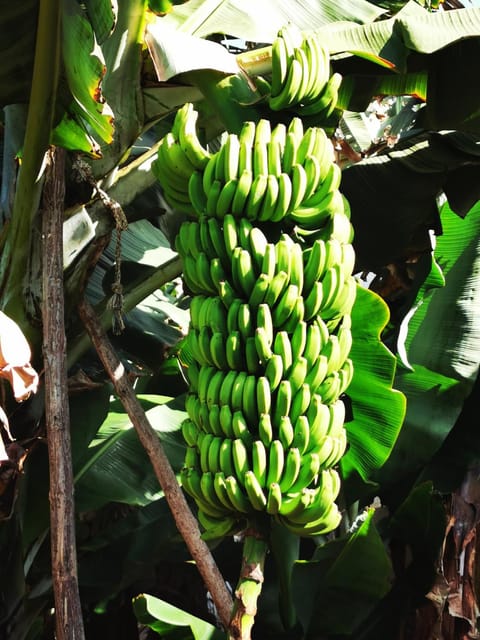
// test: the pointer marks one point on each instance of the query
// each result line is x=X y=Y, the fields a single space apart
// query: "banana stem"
x=249 y=586
x=256 y=62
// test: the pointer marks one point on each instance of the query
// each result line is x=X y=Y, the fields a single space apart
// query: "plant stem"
x=256 y=62
x=184 y=519
x=68 y=612
x=37 y=135
x=249 y=586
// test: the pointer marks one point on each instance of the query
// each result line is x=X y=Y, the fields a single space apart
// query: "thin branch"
x=184 y=519
x=68 y=612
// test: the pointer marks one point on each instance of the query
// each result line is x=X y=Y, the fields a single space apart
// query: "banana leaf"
x=338 y=589
x=260 y=21
x=378 y=409
x=116 y=468
x=442 y=347
x=170 y=622
x=392 y=223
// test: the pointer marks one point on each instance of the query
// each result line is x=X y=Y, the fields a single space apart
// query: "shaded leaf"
x=392 y=223
x=18 y=26
x=118 y=469
x=347 y=578
x=420 y=522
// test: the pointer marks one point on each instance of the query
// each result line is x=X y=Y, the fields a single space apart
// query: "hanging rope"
x=84 y=173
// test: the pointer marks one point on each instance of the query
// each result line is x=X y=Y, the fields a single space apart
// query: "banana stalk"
x=249 y=586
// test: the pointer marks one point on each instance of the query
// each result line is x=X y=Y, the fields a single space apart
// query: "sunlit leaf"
x=378 y=409
x=84 y=70
x=444 y=333
x=260 y=21
x=169 y=621
x=174 y=52
x=102 y=15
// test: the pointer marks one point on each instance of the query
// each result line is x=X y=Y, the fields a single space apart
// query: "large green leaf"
x=117 y=468
x=259 y=22
x=378 y=409
x=449 y=314
x=442 y=346
x=347 y=578
x=392 y=222
x=170 y=622
x=84 y=70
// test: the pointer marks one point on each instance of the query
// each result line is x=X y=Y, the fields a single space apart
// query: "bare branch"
x=184 y=519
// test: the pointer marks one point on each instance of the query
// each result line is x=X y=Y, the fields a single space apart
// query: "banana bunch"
x=270 y=335
x=180 y=153
x=301 y=75
x=270 y=175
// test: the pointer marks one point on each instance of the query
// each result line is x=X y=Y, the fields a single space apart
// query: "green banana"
x=259 y=462
x=327 y=99
x=231 y=157
x=300 y=401
x=263 y=395
x=284 y=197
x=254 y=491
x=265 y=429
x=285 y=432
x=249 y=400
x=285 y=305
x=225 y=457
x=224 y=201
x=270 y=199
x=274 y=499
x=282 y=402
x=291 y=469
x=240 y=459
x=240 y=428
x=245 y=321
x=298 y=373
x=214 y=420
x=236 y=495
x=196 y=193
x=274 y=370
x=237 y=391
x=256 y=195
x=197 y=155
x=276 y=461
x=244 y=184
x=298 y=339
x=301 y=434
x=283 y=347
x=276 y=288
x=234 y=351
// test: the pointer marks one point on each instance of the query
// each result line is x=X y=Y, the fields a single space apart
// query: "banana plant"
x=138 y=59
